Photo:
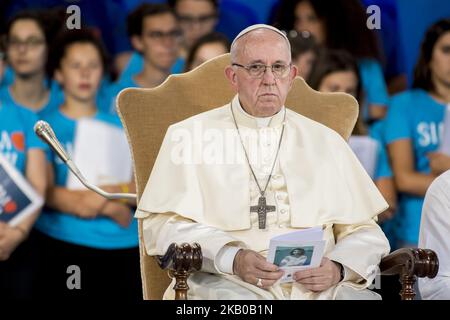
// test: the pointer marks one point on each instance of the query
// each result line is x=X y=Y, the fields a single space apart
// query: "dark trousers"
x=18 y=273
x=100 y=274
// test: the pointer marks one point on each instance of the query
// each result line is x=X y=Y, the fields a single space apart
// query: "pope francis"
x=232 y=178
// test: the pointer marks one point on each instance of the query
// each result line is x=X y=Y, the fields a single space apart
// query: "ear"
x=137 y=44
x=58 y=77
x=293 y=74
x=231 y=76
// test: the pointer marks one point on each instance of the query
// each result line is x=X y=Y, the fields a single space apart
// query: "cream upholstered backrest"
x=147 y=113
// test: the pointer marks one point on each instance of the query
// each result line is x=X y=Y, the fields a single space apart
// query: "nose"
x=22 y=47
x=268 y=76
x=85 y=72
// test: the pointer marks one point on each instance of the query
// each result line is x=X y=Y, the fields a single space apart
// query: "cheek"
x=97 y=76
x=40 y=57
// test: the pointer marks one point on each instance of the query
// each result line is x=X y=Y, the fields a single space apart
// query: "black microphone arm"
x=46 y=134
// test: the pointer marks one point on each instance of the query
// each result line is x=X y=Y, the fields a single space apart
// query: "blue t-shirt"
x=101 y=232
x=373 y=85
x=17 y=135
x=136 y=64
x=56 y=98
x=416 y=116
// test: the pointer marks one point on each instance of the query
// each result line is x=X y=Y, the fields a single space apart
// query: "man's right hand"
x=251 y=266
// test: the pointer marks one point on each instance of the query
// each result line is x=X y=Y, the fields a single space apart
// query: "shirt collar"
x=243 y=118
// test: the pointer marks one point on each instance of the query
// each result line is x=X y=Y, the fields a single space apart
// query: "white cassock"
x=317 y=181
x=434 y=235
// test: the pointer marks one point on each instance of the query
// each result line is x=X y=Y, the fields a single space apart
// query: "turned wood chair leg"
x=407 y=292
x=181 y=287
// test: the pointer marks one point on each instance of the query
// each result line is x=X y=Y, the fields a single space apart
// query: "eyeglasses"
x=257 y=70
x=28 y=43
x=159 y=35
x=190 y=20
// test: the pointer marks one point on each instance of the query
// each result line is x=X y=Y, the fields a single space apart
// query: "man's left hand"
x=321 y=278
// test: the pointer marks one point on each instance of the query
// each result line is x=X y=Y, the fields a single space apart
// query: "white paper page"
x=366 y=150
x=445 y=143
x=101 y=153
x=310 y=234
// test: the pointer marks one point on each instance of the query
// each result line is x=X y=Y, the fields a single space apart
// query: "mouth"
x=267 y=95
x=84 y=86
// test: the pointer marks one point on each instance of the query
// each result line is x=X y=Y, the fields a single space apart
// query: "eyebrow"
x=262 y=62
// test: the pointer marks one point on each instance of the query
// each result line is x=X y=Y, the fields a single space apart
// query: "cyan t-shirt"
x=17 y=135
x=416 y=116
x=101 y=232
x=136 y=65
x=56 y=98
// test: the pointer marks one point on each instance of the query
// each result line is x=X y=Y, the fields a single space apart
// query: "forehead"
x=444 y=39
x=263 y=45
x=159 y=22
x=24 y=27
x=81 y=50
x=194 y=7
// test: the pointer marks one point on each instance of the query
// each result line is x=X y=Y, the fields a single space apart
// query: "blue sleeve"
x=372 y=81
x=32 y=140
x=397 y=124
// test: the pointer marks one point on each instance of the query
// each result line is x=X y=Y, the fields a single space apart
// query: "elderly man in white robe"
x=434 y=231
x=285 y=172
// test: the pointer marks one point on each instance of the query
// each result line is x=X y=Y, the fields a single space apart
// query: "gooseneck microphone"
x=46 y=134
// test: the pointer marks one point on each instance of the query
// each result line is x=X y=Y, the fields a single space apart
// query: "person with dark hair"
x=77 y=226
x=26 y=153
x=28 y=39
x=304 y=51
x=414 y=127
x=207 y=47
x=197 y=18
x=341 y=24
x=155 y=35
x=337 y=71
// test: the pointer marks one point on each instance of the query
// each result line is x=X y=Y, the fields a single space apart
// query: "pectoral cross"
x=262 y=210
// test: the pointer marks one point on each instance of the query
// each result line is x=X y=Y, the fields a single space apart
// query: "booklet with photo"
x=18 y=199
x=101 y=153
x=297 y=250
x=366 y=150
x=445 y=144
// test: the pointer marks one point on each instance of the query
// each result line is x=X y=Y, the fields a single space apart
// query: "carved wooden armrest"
x=181 y=261
x=410 y=263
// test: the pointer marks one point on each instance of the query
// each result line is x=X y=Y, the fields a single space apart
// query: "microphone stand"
x=46 y=134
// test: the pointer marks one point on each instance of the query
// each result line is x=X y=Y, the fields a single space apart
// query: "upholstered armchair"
x=147 y=113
